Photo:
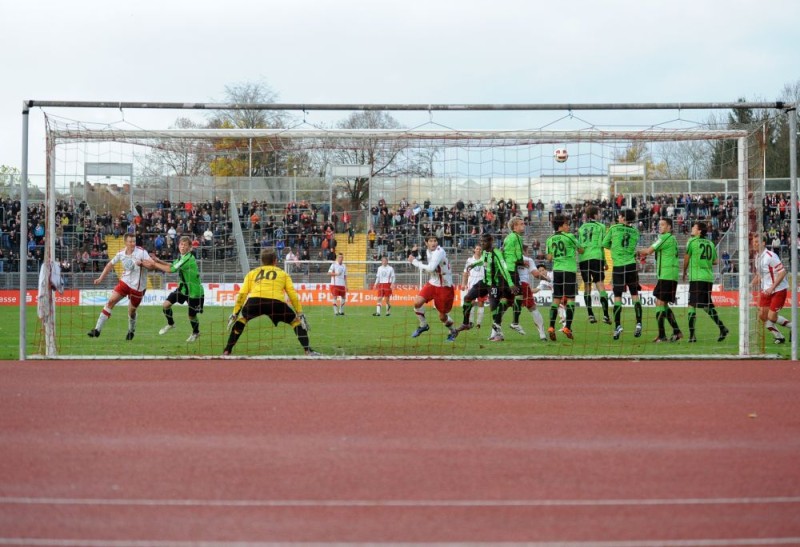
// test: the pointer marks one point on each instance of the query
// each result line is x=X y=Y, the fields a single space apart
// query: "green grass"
x=358 y=333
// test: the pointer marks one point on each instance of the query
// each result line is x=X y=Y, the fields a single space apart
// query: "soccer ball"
x=561 y=155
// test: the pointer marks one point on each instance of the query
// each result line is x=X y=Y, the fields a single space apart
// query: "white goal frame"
x=515 y=136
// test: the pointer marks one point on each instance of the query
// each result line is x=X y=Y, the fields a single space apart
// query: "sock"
x=481 y=310
x=637 y=310
x=661 y=315
x=195 y=323
x=587 y=299
x=570 y=314
x=302 y=336
x=168 y=315
x=131 y=323
x=604 y=302
x=102 y=318
x=449 y=321
x=672 y=321
x=497 y=315
x=711 y=310
x=236 y=332
x=538 y=320
x=783 y=322
x=378 y=309
x=517 y=309
x=692 y=321
x=467 y=311
x=617 y=313
x=421 y=316
x=773 y=330
x=553 y=315
x=335 y=308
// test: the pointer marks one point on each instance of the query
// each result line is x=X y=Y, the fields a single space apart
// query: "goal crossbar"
x=530 y=136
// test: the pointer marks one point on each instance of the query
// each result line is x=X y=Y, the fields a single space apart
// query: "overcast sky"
x=415 y=51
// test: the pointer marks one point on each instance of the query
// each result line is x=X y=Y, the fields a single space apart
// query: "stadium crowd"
x=311 y=230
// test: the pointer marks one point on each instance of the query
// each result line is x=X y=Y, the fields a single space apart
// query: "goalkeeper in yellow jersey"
x=263 y=293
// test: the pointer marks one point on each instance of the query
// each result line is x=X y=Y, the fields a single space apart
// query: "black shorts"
x=625 y=276
x=478 y=290
x=665 y=290
x=496 y=294
x=565 y=284
x=276 y=310
x=592 y=271
x=195 y=304
x=700 y=293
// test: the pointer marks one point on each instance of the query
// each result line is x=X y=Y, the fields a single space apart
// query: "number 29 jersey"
x=563 y=247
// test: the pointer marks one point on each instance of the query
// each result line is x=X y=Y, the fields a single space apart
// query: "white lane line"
x=399 y=503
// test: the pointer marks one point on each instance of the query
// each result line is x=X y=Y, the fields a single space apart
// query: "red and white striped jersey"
x=385 y=274
x=524 y=271
x=769 y=266
x=340 y=274
x=133 y=275
x=441 y=275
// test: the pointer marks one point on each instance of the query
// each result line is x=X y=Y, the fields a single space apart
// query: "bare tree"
x=254 y=157
x=684 y=159
x=247 y=93
x=385 y=157
x=178 y=157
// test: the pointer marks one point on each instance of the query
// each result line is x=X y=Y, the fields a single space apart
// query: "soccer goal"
x=315 y=192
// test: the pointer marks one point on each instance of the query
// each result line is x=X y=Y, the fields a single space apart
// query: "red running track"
x=243 y=452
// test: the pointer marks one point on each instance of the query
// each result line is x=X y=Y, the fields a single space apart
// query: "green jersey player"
x=592 y=262
x=189 y=291
x=621 y=238
x=563 y=249
x=699 y=261
x=668 y=270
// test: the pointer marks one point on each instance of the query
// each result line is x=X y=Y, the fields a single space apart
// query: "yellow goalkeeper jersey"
x=267 y=282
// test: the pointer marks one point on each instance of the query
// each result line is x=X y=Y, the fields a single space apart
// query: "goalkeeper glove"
x=232 y=319
x=304 y=322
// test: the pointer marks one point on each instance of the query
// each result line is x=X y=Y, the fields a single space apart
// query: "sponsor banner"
x=310 y=294
x=11 y=298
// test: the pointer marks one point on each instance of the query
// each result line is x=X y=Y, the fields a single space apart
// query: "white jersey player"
x=338 y=286
x=470 y=277
x=770 y=270
x=384 y=282
x=439 y=287
x=132 y=284
x=526 y=272
x=774 y=290
x=133 y=274
x=437 y=265
x=546 y=284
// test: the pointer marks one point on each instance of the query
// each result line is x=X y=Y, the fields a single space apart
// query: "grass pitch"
x=358 y=333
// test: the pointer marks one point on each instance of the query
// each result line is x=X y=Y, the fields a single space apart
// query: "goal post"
x=504 y=165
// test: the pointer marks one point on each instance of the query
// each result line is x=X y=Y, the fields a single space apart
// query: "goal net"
x=314 y=193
